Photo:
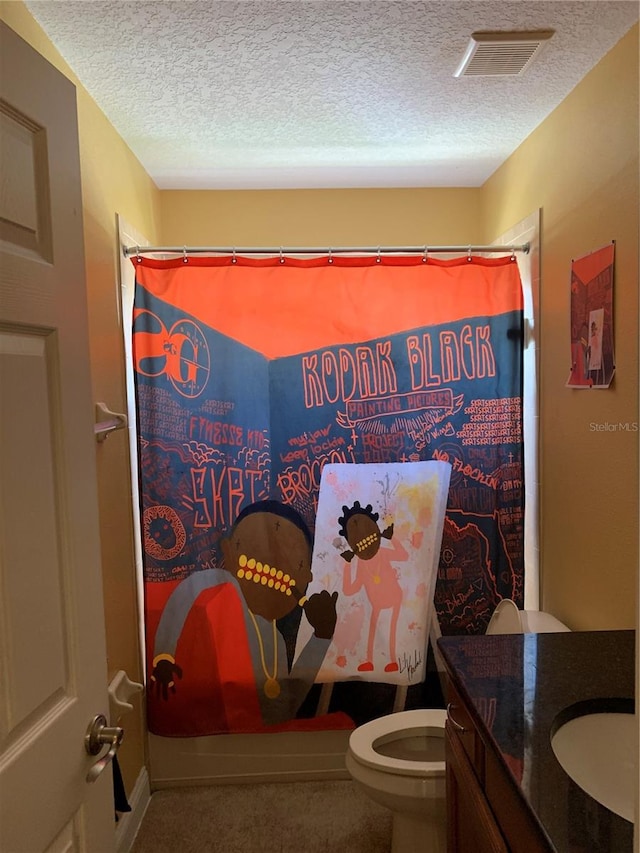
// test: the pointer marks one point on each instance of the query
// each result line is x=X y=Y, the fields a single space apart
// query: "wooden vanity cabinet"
x=471 y=824
x=484 y=812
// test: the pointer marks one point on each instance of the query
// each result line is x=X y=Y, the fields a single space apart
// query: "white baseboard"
x=129 y=823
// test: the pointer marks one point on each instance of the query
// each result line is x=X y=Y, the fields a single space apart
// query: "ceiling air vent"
x=501 y=54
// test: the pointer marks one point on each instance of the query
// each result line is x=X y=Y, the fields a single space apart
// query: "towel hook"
x=107 y=421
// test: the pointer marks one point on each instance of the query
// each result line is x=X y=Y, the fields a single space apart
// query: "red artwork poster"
x=592 y=357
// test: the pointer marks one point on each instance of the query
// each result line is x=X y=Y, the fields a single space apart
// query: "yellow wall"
x=581 y=168
x=112 y=182
x=369 y=217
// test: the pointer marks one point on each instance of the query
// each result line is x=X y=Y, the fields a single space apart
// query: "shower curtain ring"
x=513 y=254
x=185 y=259
x=425 y=256
x=469 y=255
x=329 y=259
x=138 y=258
x=281 y=256
x=234 y=260
x=379 y=258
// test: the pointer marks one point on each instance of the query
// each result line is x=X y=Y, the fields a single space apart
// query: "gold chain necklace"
x=271 y=687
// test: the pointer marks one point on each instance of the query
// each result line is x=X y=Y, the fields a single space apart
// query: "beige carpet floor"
x=298 y=817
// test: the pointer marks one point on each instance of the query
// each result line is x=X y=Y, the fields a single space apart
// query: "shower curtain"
x=252 y=376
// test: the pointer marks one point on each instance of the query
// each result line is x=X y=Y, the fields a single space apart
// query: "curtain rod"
x=328 y=250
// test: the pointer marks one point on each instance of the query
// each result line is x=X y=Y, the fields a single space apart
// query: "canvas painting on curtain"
x=379 y=552
x=251 y=377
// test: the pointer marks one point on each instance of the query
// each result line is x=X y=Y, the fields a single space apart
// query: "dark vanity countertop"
x=518 y=687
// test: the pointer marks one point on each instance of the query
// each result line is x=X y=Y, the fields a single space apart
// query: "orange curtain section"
x=301 y=305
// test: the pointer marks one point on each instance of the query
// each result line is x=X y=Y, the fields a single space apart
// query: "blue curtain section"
x=358 y=403
x=203 y=455
x=224 y=429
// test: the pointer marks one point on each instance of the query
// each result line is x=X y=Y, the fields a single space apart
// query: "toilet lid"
x=393 y=727
x=506 y=619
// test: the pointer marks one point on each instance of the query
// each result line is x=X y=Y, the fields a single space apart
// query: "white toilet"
x=399 y=762
x=398 y=759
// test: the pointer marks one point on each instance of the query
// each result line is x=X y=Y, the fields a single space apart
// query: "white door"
x=53 y=668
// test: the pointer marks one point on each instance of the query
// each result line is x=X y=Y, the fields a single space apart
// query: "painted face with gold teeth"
x=268 y=550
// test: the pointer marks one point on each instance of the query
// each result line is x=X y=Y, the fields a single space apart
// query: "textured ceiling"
x=243 y=95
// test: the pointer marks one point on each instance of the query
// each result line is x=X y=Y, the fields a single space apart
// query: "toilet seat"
x=429 y=721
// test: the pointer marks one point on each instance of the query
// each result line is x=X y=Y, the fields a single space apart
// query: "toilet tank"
x=507 y=619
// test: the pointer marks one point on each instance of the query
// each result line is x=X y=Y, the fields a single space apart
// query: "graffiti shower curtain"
x=251 y=376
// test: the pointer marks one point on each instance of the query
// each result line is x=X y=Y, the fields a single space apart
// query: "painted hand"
x=387 y=533
x=162 y=676
x=320 y=610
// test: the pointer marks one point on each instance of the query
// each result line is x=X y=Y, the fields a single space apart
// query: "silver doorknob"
x=99 y=734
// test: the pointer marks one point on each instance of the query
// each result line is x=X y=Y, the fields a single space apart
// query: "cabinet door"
x=471 y=825
x=461 y=721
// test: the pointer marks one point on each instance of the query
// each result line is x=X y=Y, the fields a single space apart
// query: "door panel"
x=35 y=671
x=25 y=216
x=52 y=645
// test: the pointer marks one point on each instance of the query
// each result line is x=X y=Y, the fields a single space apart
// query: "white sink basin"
x=599 y=752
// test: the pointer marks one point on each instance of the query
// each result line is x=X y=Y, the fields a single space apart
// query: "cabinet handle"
x=455 y=724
